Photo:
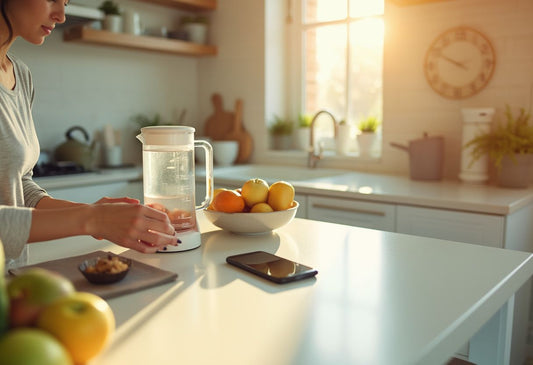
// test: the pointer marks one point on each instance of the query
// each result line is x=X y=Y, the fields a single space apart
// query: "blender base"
x=189 y=241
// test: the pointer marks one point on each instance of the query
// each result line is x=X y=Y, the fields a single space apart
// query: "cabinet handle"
x=351 y=210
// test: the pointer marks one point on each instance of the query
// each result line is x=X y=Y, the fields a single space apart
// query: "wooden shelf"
x=194 y=5
x=413 y=2
x=84 y=34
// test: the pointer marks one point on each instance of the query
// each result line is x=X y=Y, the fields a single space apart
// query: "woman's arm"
x=120 y=220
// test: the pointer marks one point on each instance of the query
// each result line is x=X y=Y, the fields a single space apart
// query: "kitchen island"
x=379 y=298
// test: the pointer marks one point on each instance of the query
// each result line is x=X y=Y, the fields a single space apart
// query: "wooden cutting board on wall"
x=220 y=123
x=228 y=126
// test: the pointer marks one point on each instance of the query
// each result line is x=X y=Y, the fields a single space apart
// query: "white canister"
x=476 y=121
x=132 y=23
x=197 y=32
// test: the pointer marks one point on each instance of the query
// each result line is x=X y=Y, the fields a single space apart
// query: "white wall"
x=93 y=85
x=410 y=105
x=80 y=84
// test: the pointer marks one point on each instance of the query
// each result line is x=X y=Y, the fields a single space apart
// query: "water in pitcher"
x=168 y=182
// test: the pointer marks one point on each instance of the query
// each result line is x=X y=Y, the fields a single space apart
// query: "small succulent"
x=109 y=7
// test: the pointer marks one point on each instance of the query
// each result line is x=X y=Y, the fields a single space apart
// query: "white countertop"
x=378 y=298
x=455 y=195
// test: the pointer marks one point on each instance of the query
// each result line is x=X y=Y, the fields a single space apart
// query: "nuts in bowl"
x=105 y=270
x=255 y=208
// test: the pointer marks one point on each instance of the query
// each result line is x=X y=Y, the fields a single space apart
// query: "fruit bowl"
x=252 y=223
x=103 y=274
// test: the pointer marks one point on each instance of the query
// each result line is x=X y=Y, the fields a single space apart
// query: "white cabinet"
x=352 y=212
x=482 y=229
x=89 y=193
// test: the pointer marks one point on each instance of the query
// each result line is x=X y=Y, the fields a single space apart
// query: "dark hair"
x=3 y=4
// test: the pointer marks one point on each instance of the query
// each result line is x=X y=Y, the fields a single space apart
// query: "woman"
x=27 y=213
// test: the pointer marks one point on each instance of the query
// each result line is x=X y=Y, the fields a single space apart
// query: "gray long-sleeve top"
x=19 y=151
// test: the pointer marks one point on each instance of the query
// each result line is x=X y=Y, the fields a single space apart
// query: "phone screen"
x=271 y=267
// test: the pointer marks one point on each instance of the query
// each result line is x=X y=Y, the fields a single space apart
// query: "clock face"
x=459 y=63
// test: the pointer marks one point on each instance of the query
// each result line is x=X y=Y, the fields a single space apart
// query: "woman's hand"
x=125 y=199
x=131 y=225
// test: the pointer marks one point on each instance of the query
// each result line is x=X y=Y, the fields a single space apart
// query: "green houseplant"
x=303 y=132
x=509 y=146
x=281 y=132
x=109 y=7
x=113 y=17
x=369 y=125
x=367 y=138
x=195 y=27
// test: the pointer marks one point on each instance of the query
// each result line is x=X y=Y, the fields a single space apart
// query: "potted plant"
x=303 y=132
x=113 y=18
x=281 y=132
x=509 y=147
x=367 y=136
x=196 y=28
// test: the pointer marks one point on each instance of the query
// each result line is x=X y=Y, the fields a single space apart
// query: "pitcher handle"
x=208 y=172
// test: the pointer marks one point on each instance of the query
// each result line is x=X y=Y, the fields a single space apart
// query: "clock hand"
x=456 y=63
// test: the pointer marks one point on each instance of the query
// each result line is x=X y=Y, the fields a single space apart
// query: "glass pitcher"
x=168 y=173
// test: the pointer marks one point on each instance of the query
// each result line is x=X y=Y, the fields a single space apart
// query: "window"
x=341 y=43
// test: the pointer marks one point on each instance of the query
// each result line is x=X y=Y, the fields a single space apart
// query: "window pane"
x=359 y=8
x=324 y=10
x=366 y=58
x=325 y=69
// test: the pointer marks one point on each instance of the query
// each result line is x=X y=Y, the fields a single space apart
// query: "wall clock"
x=459 y=63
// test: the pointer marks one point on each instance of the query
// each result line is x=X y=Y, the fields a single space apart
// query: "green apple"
x=30 y=346
x=30 y=292
x=4 y=301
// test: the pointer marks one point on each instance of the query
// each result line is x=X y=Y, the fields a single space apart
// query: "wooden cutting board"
x=221 y=122
x=240 y=135
x=228 y=126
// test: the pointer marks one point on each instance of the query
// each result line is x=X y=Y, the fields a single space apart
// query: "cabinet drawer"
x=482 y=229
x=352 y=212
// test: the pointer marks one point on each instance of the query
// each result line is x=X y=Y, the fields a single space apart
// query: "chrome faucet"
x=312 y=155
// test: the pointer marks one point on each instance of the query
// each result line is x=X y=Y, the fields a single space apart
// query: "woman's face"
x=33 y=20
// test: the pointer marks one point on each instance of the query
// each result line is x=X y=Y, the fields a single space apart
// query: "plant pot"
x=197 y=32
x=113 y=23
x=366 y=142
x=515 y=171
x=281 y=142
x=303 y=136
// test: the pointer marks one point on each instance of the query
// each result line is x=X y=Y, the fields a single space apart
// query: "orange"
x=261 y=208
x=255 y=191
x=229 y=201
x=280 y=195
x=215 y=193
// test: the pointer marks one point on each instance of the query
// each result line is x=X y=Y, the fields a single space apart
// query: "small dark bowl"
x=102 y=277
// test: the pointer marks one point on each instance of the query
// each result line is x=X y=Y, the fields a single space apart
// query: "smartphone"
x=271 y=267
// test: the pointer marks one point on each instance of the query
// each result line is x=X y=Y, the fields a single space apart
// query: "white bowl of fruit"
x=255 y=208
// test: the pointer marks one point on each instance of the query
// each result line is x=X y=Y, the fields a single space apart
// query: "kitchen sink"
x=272 y=173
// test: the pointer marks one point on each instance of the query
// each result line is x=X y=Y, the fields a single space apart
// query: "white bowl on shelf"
x=225 y=152
x=252 y=223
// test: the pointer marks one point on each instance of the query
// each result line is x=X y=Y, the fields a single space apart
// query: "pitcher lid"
x=167 y=135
